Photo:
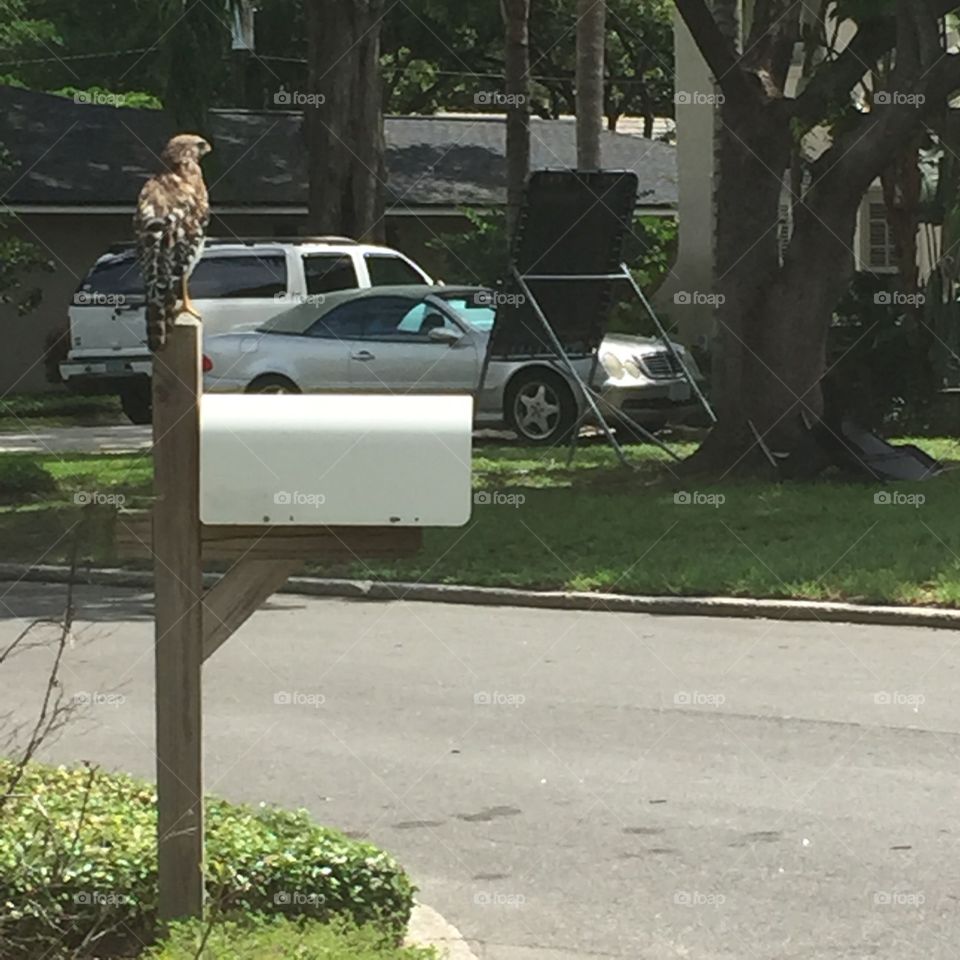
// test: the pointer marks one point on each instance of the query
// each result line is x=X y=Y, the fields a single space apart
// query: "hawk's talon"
x=186 y=304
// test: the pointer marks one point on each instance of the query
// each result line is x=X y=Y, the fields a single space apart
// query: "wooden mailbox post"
x=192 y=622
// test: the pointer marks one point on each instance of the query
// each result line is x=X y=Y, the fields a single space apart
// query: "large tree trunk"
x=343 y=118
x=591 y=37
x=516 y=16
x=773 y=317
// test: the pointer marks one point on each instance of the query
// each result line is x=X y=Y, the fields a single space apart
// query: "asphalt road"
x=566 y=784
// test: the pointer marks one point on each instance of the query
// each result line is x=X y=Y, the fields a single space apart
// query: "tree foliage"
x=20 y=36
x=446 y=54
x=435 y=55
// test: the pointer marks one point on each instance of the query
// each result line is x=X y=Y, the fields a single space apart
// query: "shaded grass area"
x=593 y=526
x=21 y=411
x=46 y=528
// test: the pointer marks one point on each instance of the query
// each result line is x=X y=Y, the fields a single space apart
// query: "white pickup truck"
x=237 y=285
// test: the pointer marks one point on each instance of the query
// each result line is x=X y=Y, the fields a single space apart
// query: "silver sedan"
x=433 y=339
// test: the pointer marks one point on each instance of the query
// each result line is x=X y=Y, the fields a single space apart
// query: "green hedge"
x=281 y=940
x=78 y=859
x=59 y=404
x=22 y=477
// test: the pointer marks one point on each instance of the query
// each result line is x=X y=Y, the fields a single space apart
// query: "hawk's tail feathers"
x=157 y=319
x=161 y=311
x=161 y=301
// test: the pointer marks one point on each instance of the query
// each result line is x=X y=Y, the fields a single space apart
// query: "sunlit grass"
x=594 y=526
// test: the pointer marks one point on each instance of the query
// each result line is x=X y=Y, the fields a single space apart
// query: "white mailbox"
x=335 y=459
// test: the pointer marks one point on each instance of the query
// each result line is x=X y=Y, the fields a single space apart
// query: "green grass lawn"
x=597 y=527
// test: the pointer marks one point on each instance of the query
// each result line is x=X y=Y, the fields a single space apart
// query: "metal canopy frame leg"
x=668 y=343
x=568 y=363
x=588 y=391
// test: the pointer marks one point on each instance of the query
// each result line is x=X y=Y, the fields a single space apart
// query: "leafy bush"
x=100 y=95
x=480 y=255
x=78 y=863
x=21 y=476
x=649 y=250
x=58 y=405
x=280 y=939
x=880 y=359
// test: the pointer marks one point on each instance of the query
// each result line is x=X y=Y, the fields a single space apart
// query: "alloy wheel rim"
x=537 y=410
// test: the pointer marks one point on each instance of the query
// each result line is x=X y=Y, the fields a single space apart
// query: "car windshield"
x=476 y=308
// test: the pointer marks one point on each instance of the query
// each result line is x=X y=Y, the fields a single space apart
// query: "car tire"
x=273 y=383
x=539 y=407
x=137 y=404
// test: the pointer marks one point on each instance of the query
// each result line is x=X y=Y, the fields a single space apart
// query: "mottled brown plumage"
x=172 y=214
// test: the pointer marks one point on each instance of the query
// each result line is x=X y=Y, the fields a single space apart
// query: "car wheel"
x=273 y=383
x=137 y=404
x=539 y=407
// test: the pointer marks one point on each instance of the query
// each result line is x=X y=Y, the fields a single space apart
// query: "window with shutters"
x=881 y=250
x=784 y=227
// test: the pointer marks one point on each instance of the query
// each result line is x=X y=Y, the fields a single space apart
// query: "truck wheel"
x=137 y=404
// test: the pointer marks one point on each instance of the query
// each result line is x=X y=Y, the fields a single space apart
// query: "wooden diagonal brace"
x=238 y=595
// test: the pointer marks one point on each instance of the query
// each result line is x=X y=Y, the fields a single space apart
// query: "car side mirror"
x=444 y=335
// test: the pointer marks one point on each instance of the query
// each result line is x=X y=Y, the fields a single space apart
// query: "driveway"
x=576 y=784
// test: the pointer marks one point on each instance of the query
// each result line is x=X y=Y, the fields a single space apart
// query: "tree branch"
x=720 y=54
x=873 y=39
x=928 y=33
x=861 y=154
x=838 y=77
x=908 y=51
x=774 y=33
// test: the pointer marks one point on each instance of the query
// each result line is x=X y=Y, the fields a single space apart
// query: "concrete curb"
x=801 y=610
x=428 y=929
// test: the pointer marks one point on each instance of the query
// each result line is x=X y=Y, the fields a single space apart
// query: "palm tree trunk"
x=343 y=118
x=516 y=14
x=591 y=34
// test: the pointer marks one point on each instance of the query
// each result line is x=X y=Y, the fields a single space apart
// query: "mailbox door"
x=332 y=459
x=397 y=353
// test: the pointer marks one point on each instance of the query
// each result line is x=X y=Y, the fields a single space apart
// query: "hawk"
x=172 y=214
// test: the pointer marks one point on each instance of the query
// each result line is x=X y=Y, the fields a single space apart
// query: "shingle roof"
x=80 y=154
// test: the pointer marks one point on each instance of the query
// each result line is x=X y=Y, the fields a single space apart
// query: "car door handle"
x=362 y=355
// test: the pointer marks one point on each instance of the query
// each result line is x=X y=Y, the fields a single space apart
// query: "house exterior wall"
x=693 y=274
x=72 y=243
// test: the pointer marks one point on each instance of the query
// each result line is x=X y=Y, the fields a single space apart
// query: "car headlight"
x=632 y=367
x=612 y=365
